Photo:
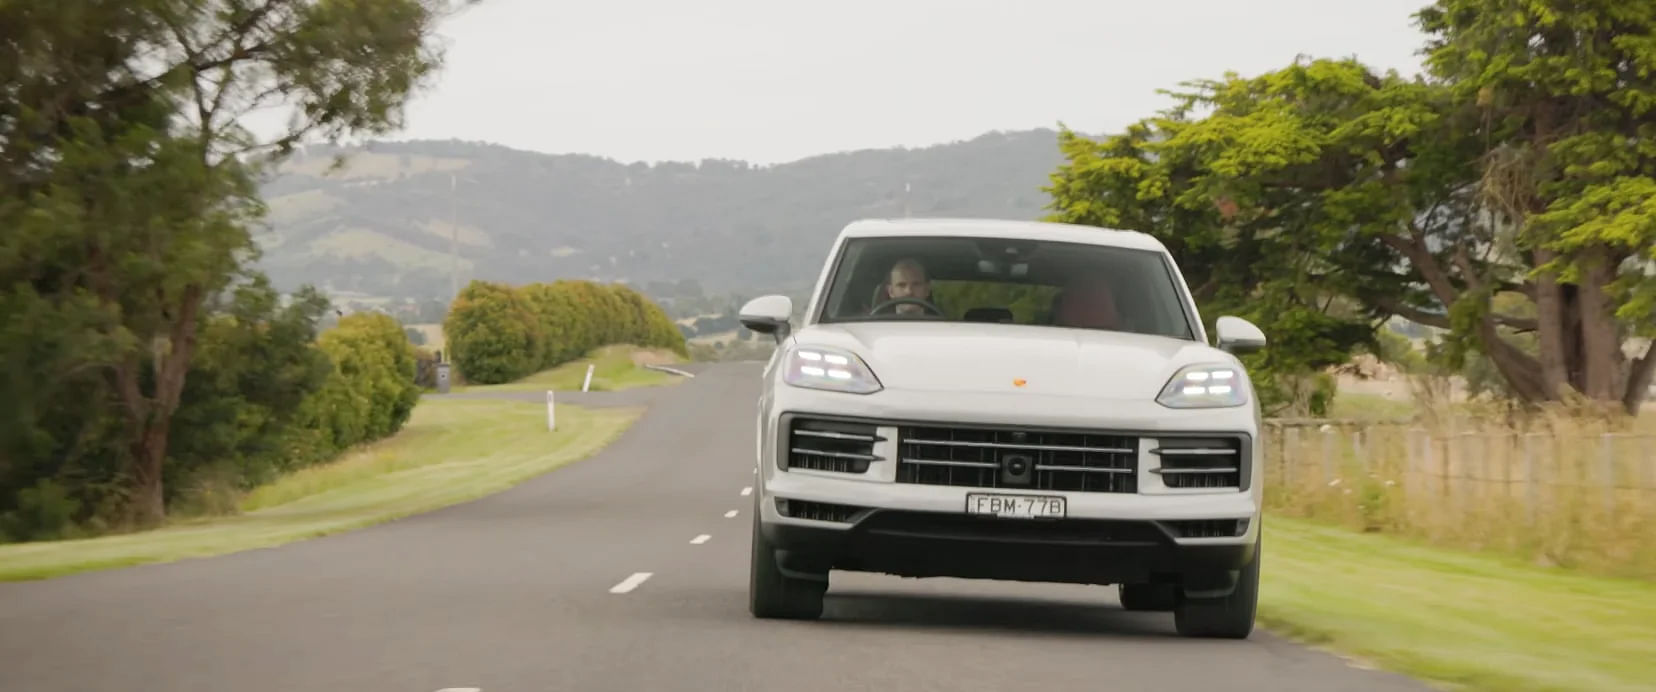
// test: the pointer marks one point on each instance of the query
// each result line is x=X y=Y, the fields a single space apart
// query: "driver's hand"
x=910 y=309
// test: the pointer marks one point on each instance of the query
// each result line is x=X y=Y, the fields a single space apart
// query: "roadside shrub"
x=493 y=334
x=651 y=325
x=256 y=362
x=371 y=391
x=498 y=334
x=567 y=332
x=43 y=512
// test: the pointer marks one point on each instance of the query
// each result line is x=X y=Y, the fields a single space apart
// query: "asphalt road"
x=518 y=591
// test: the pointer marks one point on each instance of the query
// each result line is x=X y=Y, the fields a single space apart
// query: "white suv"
x=1007 y=400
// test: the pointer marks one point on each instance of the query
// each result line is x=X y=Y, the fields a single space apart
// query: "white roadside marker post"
x=551 y=412
x=588 y=382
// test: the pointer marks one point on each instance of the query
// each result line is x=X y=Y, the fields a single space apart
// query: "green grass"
x=614 y=370
x=1370 y=407
x=1471 y=621
x=450 y=452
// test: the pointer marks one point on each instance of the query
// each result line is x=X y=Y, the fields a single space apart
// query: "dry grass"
x=1557 y=491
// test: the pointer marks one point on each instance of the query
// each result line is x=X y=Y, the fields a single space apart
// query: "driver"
x=1087 y=302
x=908 y=280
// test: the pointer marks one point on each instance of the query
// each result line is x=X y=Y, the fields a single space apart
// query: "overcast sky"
x=771 y=81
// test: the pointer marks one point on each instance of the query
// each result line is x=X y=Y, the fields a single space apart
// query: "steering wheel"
x=928 y=305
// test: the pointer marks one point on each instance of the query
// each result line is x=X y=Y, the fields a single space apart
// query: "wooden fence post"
x=1291 y=440
x=1529 y=475
x=1357 y=451
x=1607 y=470
x=1327 y=455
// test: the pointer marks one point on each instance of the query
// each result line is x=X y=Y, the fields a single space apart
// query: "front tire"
x=1229 y=617
x=774 y=595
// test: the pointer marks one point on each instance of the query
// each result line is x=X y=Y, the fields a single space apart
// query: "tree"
x=1567 y=92
x=127 y=184
x=1250 y=202
x=1323 y=198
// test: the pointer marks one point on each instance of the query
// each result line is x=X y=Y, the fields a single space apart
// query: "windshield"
x=1006 y=280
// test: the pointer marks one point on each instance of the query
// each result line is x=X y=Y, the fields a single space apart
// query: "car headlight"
x=817 y=367
x=1207 y=385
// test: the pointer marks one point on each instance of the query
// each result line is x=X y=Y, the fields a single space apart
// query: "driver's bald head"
x=908 y=280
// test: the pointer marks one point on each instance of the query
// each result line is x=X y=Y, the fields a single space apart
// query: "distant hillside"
x=381 y=226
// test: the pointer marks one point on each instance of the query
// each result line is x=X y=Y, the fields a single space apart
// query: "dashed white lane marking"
x=730 y=514
x=747 y=491
x=461 y=689
x=700 y=539
x=630 y=583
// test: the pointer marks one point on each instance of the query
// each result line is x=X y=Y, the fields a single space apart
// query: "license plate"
x=1016 y=506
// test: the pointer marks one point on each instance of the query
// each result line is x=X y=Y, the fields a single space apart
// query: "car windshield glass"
x=1006 y=280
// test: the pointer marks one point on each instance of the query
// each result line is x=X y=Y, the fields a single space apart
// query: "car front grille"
x=1199 y=462
x=837 y=446
x=1017 y=458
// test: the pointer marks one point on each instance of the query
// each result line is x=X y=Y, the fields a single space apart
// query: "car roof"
x=1002 y=228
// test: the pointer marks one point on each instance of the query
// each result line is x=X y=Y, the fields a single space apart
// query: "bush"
x=44 y=512
x=493 y=334
x=371 y=392
x=498 y=334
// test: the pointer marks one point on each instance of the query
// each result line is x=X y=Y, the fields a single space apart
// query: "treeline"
x=498 y=333
x=267 y=393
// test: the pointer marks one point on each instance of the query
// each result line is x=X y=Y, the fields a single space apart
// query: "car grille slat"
x=1208 y=528
x=834 y=446
x=836 y=455
x=1051 y=448
x=816 y=511
x=938 y=462
x=831 y=435
x=1017 y=458
x=1080 y=469
x=1199 y=462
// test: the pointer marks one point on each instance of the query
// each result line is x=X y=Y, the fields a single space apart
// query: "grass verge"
x=1463 y=620
x=450 y=452
x=614 y=369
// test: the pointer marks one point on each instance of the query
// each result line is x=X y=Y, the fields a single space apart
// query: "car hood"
x=953 y=357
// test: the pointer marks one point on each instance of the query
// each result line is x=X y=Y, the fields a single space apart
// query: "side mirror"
x=767 y=315
x=1238 y=336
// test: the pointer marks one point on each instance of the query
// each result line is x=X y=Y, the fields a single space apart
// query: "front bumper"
x=934 y=544
x=869 y=522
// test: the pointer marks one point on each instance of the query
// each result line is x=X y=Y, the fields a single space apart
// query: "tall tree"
x=1566 y=91
x=127 y=178
x=1324 y=194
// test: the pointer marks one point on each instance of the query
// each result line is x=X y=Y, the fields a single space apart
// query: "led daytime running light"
x=815 y=367
x=1204 y=386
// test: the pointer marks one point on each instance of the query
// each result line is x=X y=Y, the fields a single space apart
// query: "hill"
x=383 y=224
